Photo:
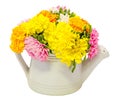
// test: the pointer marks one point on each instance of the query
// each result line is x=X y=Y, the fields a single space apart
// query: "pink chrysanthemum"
x=93 y=44
x=36 y=49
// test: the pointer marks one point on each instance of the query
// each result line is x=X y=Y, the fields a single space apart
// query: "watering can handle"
x=22 y=63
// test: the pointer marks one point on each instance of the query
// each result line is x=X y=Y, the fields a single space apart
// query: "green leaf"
x=40 y=38
x=72 y=14
x=50 y=51
x=77 y=32
x=61 y=10
x=84 y=58
x=68 y=11
x=73 y=66
x=90 y=29
x=35 y=36
x=65 y=11
x=84 y=28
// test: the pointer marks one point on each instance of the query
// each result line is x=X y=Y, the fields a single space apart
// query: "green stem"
x=74 y=66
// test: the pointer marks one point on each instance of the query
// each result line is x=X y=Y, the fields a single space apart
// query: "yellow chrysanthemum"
x=17 y=39
x=78 y=24
x=37 y=24
x=18 y=35
x=65 y=44
x=60 y=31
x=52 y=17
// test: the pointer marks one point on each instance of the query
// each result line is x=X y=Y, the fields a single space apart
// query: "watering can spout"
x=89 y=65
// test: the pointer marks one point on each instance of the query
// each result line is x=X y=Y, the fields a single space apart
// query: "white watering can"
x=54 y=78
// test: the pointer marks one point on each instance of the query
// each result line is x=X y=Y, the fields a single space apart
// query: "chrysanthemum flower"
x=17 y=39
x=58 y=31
x=93 y=44
x=36 y=49
x=66 y=45
x=79 y=24
x=52 y=17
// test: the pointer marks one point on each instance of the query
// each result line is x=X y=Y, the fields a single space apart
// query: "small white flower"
x=64 y=18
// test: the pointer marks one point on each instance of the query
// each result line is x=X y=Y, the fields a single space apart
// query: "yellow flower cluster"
x=78 y=24
x=63 y=32
x=65 y=44
x=35 y=25
x=17 y=37
x=52 y=17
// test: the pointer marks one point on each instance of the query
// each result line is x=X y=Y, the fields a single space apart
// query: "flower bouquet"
x=56 y=31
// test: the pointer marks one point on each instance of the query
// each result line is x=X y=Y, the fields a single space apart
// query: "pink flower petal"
x=93 y=44
x=36 y=49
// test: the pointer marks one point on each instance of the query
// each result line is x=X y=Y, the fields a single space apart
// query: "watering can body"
x=54 y=78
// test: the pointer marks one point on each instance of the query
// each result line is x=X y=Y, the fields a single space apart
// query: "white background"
x=104 y=82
